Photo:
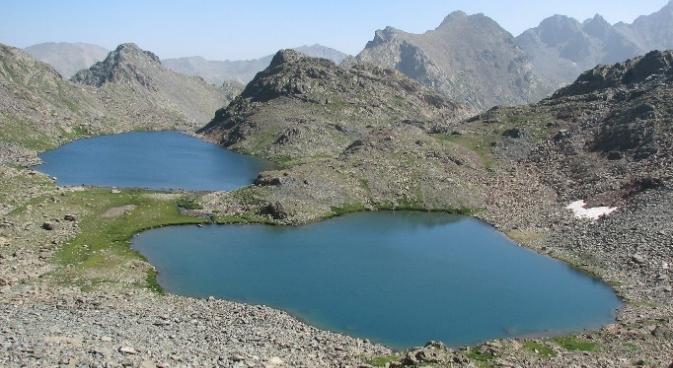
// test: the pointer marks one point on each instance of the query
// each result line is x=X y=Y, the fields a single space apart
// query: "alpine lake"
x=399 y=278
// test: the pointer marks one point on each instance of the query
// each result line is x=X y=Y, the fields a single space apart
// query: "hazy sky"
x=229 y=29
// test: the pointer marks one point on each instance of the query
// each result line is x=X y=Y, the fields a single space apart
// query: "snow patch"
x=580 y=211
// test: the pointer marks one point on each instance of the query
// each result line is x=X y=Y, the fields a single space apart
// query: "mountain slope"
x=67 y=58
x=39 y=109
x=217 y=72
x=651 y=32
x=301 y=104
x=469 y=58
x=135 y=82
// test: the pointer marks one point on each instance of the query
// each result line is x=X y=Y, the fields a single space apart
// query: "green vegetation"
x=539 y=348
x=153 y=283
x=482 y=358
x=479 y=144
x=382 y=360
x=189 y=203
x=101 y=250
x=22 y=134
x=574 y=343
x=348 y=208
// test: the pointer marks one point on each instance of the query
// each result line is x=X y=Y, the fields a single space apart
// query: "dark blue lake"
x=157 y=160
x=398 y=278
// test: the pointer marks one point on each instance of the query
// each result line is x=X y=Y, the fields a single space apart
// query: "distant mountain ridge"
x=561 y=47
x=470 y=58
x=66 y=57
x=217 y=72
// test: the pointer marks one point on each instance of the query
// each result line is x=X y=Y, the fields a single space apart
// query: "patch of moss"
x=381 y=360
x=152 y=282
x=479 y=144
x=20 y=133
x=482 y=358
x=348 y=208
x=574 y=343
x=539 y=348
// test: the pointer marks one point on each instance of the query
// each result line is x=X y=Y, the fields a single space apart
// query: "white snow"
x=580 y=210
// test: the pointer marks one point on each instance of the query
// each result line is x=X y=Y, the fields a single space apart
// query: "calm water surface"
x=157 y=160
x=398 y=278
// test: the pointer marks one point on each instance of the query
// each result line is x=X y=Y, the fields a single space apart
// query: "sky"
x=242 y=29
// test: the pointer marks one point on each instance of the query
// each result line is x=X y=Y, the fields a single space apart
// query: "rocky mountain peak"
x=290 y=73
x=558 y=29
x=285 y=56
x=597 y=26
x=459 y=20
x=653 y=68
x=126 y=62
x=455 y=16
x=132 y=50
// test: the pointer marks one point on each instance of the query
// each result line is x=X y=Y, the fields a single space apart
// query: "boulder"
x=48 y=226
x=275 y=210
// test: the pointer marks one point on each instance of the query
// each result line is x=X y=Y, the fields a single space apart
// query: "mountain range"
x=469 y=58
x=561 y=47
x=242 y=71
x=474 y=60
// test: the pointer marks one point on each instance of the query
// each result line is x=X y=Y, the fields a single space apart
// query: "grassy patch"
x=101 y=250
x=382 y=360
x=348 y=208
x=482 y=358
x=539 y=348
x=22 y=133
x=479 y=144
x=152 y=282
x=244 y=218
x=574 y=343
x=189 y=203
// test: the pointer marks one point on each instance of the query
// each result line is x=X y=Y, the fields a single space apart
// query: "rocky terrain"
x=562 y=47
x=468 y=58
x=242 y=71
x=348 y=139
x=133 y=81
x=66 y=57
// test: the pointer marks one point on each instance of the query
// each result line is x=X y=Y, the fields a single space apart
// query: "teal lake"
x=155 y=160
x=397 y=278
